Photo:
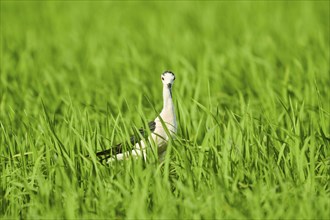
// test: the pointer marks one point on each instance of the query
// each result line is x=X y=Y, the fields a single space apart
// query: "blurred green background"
x=250 y=74
x=52 y=48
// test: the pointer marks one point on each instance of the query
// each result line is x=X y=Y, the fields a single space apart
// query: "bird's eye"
x=162 y=78
x=174 y=78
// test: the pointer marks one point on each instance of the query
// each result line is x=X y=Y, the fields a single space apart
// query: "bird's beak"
x=169 y=85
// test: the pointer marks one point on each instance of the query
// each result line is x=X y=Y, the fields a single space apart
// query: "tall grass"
x=251 y=96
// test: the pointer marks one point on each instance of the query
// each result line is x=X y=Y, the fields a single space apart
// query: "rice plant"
x=251 y=97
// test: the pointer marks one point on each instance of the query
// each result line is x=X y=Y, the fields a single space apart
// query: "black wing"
x=117 y=149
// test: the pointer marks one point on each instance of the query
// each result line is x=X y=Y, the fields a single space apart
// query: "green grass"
x=251 y=96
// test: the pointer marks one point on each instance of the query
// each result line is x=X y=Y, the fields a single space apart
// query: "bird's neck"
x=167 y=98
x=167 y=113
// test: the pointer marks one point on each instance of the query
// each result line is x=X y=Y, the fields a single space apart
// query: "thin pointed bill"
x=169 y=86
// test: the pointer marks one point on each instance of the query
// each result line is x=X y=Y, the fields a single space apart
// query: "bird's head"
x=168 y=79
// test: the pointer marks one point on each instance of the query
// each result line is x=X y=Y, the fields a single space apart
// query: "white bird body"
x=159 y=136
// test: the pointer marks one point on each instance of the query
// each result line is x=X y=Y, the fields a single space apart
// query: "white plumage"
x=158 y=133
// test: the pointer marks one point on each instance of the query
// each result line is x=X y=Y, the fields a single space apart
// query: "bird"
x=162 y=128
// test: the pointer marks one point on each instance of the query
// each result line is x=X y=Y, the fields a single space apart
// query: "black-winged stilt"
x=159 y=135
